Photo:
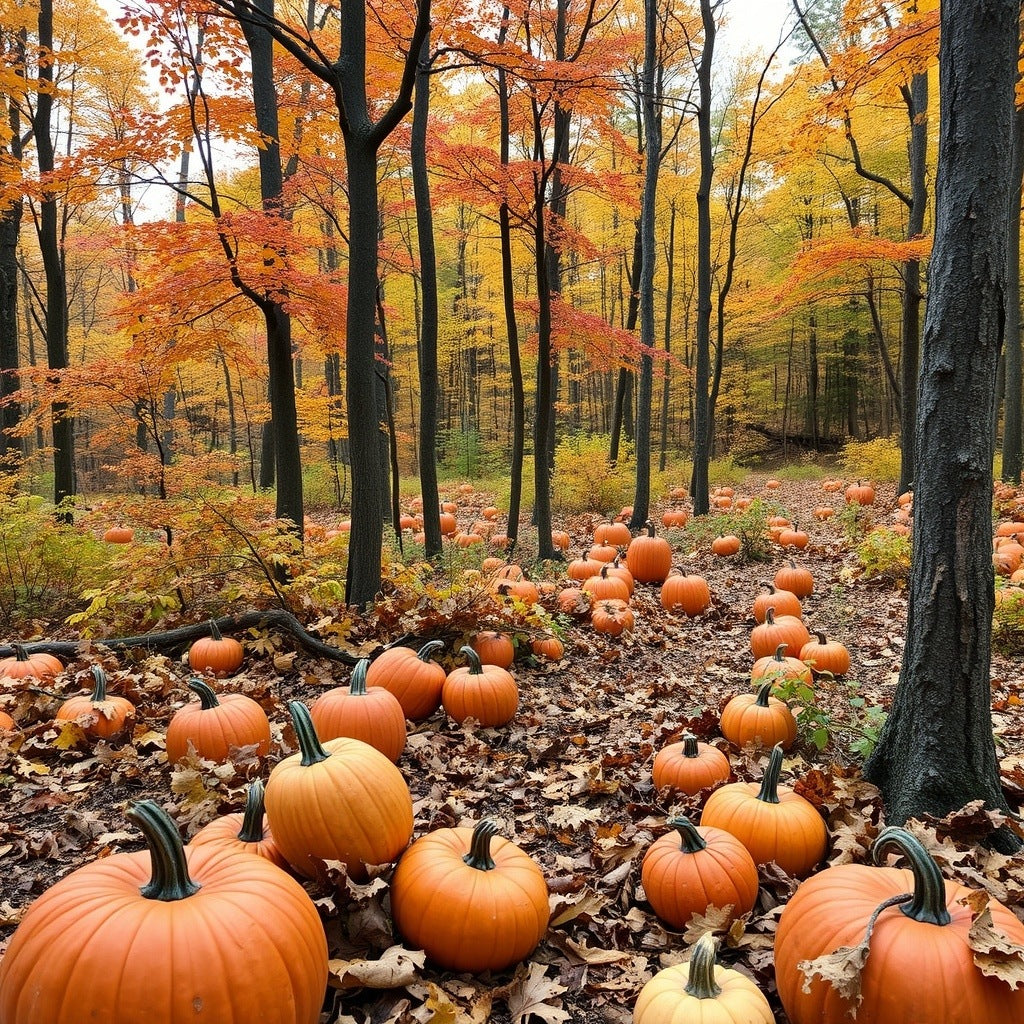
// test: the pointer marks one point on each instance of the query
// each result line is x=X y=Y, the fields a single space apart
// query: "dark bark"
x=427 y=347
x=1012 y=440
x=666 y=390
x=936 y=752
x=621 y=421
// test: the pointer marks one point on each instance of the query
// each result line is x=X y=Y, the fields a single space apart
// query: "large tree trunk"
x=1012 y=440
x=936 y=752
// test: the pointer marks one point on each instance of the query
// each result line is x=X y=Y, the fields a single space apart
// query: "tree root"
x=174 y=639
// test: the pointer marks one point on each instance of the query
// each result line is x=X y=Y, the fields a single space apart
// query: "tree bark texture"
x=936 y=752
x=1012 y=437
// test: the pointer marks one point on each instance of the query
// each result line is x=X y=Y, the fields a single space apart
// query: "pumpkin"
x=336 y=800
x=921 y=966
x=725 y=544
x=471 y=899
x=823 y=513
x=521 y=590
x=604 y=585
x=6 y=722
x=560 y=539
x=690 y=766
x=772 y=485
x=38 y=665
x=580 y=569
x=860 y=494
x=100 y=716
x=448 y=524
x=793 y=537
x=494 y=648
x=548 y=647
x=216 y=724
x=785 y=602
x=489 y=512
x=783 y=629
x=167 y=934
x=487 y=693
x=689 y=594
x=796 y=579
x=826 y=655
x=779 y=669
x=701 y=992
x=832 y=486
x=603 y=553
x=615 y=534
x=690 y=869
x=773 y=822
x=612 y=617
x=761 y=718
x=119 y=535
x=616 y=568
x=573 y=601
x=675 y=517
x=245 y=830
x=411 y=676
x=218 y=654
x=371 y=714
x=648 y=557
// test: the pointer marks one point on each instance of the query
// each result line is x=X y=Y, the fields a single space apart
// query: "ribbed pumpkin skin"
x=121 y=721
x=791 y=832
x=744 y=721
x=779 y=629
x=917 y=973
x=664 y=1000
x=689 y=774
x=649 y=558
x=689 y=594
x=248 y=948
x=785 y=602
x=467 y=919
x=223 y=833
x=491 y=696
x=679 y=884
x=415 y=682
x=354 y=807
x=826 y=656
x=237 y=721
x=375 y=717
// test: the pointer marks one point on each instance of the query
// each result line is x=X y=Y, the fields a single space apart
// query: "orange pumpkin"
x=245 y=830
x=119 y=535
x=773 y=822
x=675 y=518
x=690 y=766
x=649 y=557
x=793 y=537
x=860 y=494
x=604 y=585
x=487 y=693
x=615 y=534
x=780 y=669
x=580 y=569
x=783 y=629
x=573 y=601
x=603 y=553
x=689 y=594
x=725 y=544
x=494 y=648
x=100 y=716
x=612 y=617
x=38 y=665
x=372 y=714
x=796 y=579
x=785 y=602
x=411 y=676
x=218 y=654
x=758 y=718
x=215 y=724
x=550 y=648
x=826 y=655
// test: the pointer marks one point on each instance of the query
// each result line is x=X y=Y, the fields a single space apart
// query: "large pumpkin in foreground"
x=919 y=970
x=167 y=936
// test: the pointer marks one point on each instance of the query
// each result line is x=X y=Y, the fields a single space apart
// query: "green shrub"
x=1008 y=619
x=725 y=472
x=584 y=479
x=750 y=525
x=884 y=554
x=878 y=459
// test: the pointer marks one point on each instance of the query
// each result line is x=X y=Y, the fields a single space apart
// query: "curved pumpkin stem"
x=820 y=634
x=929 y=897
x=691 y=840
x=689 y=746
x=215 y=633
x=20 y=653
x=99 y=688
x=207 y=697
x=475 y=667
x=769 y=791
x=170 y=879
x=778 y=655
x=701 y=982
x=310 y=747
x=763 y=693
x=479 y=855
x=649 y=527
x=769 y=615
x=357 y=687
x=428 y=649
x=252 y=820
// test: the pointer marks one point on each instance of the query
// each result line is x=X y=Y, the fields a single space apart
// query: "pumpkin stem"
x=691 y=840
x=215 y=633
x=475 y=667
x=207 y=697
x=99 y=689
x=428 y=649
x=479 y=855
x=310 y=747
x=820 y=634
x=763 y=693
x=252 y=820
x=357 y=687
x=769 y=791
x=929 y=896
x=701 y=983
x=170 y=880
x=20 y=653
x=778 y=655
x=649 y=526
x=690 y=745
x=769 y=615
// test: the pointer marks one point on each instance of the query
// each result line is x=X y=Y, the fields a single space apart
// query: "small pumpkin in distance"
x=758 y=718
x=782 y=629
x=690 y=869
x=487 y=693
x=860 y=493
x=221 y=655
x=824 y=655
x=690 y=766
x=701 y=992
x=215 y=724
x=550 y=648
x=119 y=535
x=471 y=899
x=614 y=534
x=100 y=716
x=605 y=585
x=494 y=648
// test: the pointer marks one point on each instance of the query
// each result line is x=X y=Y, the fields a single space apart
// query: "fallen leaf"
x=395 y=968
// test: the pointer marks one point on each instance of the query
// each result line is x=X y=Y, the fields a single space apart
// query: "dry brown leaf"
x=568 y=908
x=529 y=994
x=396 y=967
x=994 y=954
x=841 y=969
x=714 y=919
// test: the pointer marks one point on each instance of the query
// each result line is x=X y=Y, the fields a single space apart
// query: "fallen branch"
x=180 y=638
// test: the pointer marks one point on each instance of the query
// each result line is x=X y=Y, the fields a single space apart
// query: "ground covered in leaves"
x=569 y=780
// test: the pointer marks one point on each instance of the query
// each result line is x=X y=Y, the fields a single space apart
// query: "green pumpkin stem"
x=357 y=687
x=763 y=693
x=929 y=897
x=170 y=880
x=99 y=689
x=215 y=633
x=701 y=982
x=207 y=697
x=479 y=855
x=769 y=791
x=310 y=747
x=252 y=819
x=690 y=745
x=691 y=840
x=475 y=667
x=428 y=649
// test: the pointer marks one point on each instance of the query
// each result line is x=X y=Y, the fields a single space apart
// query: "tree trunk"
x=1012 y=457
x=936 y=752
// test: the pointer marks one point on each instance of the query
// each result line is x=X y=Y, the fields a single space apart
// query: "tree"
x=936 y=752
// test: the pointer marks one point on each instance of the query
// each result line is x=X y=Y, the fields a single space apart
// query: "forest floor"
x=569 y=779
